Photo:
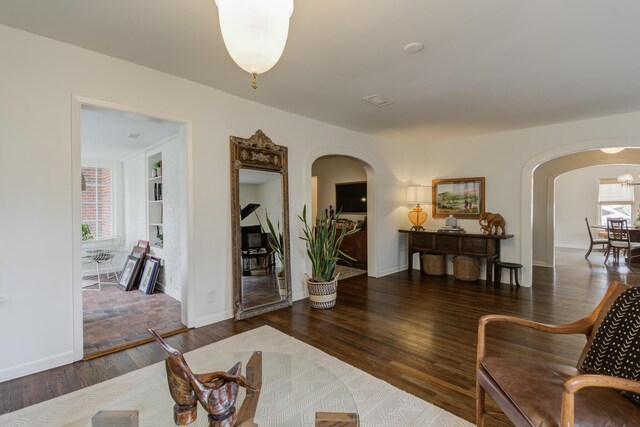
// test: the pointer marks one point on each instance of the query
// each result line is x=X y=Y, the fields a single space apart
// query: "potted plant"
x=157 y=167
x=86 y=232
x=276 y=242
x=323 y=248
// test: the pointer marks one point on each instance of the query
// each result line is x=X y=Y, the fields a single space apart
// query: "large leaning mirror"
x=260 y=225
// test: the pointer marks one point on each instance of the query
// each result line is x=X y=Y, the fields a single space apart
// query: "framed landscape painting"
x=461 y=197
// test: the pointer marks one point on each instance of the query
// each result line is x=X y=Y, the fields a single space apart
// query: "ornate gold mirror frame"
x=258 y=155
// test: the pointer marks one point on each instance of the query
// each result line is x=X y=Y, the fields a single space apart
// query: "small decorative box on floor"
x=433 y=265
x=115 y=419
x=466 y=268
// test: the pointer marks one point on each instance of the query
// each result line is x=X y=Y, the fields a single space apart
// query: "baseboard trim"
x=394 y=270
x=541 y=264
x=584 y=248
x=212 y=318
x=36 y=366
x=167 y=291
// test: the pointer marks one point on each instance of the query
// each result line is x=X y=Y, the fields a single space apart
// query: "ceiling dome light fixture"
x=612 y=150
x=255 y=32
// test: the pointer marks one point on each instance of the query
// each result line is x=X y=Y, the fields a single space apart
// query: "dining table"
x=634 y=232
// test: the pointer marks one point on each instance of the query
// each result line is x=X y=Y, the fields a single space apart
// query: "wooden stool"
x=512 y=266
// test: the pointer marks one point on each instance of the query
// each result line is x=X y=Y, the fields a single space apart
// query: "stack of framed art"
x=149 y=275
x=140 y=270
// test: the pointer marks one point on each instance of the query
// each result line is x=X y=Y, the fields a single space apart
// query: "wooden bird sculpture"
x=216 y=391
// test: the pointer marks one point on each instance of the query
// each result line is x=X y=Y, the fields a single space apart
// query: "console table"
x=445 y=243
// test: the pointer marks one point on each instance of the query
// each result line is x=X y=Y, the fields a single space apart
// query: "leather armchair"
x=547 y=394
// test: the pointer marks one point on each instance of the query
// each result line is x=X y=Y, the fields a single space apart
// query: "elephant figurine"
x=490 y=223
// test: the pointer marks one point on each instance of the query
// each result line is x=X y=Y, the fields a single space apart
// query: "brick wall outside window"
x=97 y=201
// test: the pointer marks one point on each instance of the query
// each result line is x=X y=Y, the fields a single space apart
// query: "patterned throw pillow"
x=615 y=350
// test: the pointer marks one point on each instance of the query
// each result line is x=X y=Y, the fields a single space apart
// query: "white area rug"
x=378 y=403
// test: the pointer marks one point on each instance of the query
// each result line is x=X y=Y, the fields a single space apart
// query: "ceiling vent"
x=134 y=135
x=376 y=100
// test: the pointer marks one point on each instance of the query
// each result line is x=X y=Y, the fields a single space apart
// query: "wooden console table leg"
x=410 y=252
x=254 y=375
x=337 y=419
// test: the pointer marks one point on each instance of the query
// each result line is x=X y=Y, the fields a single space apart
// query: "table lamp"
x=418 y=194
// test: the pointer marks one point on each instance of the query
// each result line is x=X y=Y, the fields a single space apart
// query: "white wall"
x=577 y=197
x=36 y=91
x=335 y=170
x=248 y=194
x=135 y=196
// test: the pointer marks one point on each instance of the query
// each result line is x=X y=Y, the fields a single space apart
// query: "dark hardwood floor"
x=416 y=332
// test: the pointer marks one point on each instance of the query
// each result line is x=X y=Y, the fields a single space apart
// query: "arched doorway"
x=571 y=170
x=368 y=166
x=527 y=188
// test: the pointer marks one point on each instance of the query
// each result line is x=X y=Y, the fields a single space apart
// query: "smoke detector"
x=134 y=135
x=377 y=100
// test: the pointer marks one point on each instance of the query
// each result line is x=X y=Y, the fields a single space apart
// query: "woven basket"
x=466 y=268
x=433 y=265
x=322 y=295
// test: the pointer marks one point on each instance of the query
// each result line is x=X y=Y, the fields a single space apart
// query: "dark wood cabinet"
x=476 y=245
x=355 y=245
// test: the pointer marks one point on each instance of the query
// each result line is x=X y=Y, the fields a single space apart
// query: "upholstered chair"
x=548 y=394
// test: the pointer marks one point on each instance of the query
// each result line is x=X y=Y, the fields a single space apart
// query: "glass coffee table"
x=292 y=392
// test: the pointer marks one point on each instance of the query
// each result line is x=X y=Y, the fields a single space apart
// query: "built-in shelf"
x=154 y=201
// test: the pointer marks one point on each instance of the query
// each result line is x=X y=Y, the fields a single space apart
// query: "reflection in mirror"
x=260 y=198
x=260 y=225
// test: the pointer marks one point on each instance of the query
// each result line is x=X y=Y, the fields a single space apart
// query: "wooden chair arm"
x=582 y=326
x=577 y=383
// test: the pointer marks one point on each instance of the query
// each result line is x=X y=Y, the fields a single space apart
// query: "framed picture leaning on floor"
x=129 y=272
x=149 y=275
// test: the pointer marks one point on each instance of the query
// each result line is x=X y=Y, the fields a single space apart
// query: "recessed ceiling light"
x=414 y=47
x=134 y=135
x=376 y=100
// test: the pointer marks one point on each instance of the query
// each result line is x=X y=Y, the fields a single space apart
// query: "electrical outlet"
x=211 y=297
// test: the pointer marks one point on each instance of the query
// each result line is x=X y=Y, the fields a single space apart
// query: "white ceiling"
x=487 y=65
x=104 y=133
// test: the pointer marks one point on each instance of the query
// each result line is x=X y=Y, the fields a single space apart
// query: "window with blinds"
x=97 y=201
x=614 y=200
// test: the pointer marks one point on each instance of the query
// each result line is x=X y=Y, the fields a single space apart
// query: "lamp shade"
x=255 y=31
x=418 y=194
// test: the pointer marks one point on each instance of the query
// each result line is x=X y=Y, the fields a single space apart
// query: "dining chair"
x=596 y=241
x=619 y=239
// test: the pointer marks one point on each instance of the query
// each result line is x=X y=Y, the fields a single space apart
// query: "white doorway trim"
x=526 y=231
x=188 y=293
x=373 y=231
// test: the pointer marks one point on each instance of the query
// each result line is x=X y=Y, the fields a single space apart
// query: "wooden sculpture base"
x=224 y=420
x=183 y=415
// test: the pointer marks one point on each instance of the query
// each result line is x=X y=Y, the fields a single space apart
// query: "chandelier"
x=255 y=32
x=627 y=179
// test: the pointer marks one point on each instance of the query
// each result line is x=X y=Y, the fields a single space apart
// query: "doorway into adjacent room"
x=574 y=195
x=339 y=185
x=132 y=217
